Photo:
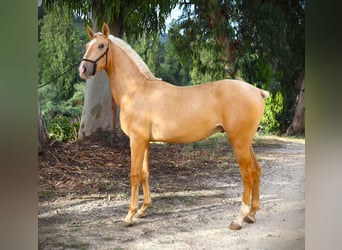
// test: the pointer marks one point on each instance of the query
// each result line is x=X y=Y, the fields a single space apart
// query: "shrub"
x=273 y=108
x=63 y=129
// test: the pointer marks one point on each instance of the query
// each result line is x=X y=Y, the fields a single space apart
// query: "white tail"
x=264 y=93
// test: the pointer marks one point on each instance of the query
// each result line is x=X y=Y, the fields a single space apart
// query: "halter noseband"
x=94 y=62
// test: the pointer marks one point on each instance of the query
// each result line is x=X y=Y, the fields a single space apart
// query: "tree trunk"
x=43 y=137
x=218 y=15
x=97 y=107
x=100 y=112
x=297 y=127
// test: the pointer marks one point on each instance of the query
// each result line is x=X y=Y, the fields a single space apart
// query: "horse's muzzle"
x=85 y=70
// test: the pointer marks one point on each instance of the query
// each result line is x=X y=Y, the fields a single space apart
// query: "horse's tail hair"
x=264 y=93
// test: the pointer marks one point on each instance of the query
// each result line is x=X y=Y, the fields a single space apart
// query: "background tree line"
x=261 y=42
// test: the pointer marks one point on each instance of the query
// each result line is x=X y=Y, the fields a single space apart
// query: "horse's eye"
x=101 y=46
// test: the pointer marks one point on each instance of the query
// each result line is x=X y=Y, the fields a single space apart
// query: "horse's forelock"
x=97 y=34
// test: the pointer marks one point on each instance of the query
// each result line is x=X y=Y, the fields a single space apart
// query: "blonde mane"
x=143 y=68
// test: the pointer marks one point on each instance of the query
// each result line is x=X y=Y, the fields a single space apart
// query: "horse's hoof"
x=249 y=219
x=126 y=223
x=234 y=226
x=141 y=215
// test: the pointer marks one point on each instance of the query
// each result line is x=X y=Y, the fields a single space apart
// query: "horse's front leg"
x=138 y=147
x=145 y=185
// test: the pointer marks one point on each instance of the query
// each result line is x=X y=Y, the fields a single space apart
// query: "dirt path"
x=192 y=205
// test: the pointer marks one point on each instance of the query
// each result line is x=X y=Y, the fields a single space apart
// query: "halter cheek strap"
x=94 y=62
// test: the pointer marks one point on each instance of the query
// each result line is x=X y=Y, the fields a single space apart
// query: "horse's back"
x=224 y=97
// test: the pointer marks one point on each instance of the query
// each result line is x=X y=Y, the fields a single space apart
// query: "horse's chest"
x=134 y=121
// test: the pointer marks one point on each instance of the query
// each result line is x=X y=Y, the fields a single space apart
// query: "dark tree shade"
x=132 y=17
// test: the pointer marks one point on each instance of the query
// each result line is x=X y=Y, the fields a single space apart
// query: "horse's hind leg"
x=250 y=177
x=145 y=185
x=250 y=218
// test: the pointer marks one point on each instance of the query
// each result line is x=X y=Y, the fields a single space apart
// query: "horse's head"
x=96 y=56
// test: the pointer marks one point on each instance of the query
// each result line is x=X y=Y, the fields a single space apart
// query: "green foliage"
x=201 y=55
x=161 y=59
x=62 y=129
x=63 y=119
x=133 y=17
x=148 y=49
x=170 y=68
x=261 y=42
x=273 y=108
x=70 y=108
x=207 y=64
x=60 y=46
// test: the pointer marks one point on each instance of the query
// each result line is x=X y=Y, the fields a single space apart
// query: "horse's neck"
x=124 y=76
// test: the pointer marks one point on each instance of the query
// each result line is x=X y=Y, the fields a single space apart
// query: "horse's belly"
x=184 y=132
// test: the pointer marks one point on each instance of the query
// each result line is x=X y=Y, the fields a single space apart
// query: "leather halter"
x=94 y=62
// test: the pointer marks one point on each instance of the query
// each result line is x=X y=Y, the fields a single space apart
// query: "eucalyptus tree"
x=259 y=41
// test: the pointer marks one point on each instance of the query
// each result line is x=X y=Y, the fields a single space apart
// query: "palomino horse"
x=154 y=110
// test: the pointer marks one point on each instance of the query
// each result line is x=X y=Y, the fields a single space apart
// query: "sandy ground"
x=191 y=209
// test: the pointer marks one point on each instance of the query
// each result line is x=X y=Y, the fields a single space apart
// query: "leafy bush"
x=63 y=129
x=273 y=108
x=62 y=118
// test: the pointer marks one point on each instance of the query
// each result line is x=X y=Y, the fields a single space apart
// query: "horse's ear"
x=90 y=32
x=105 y=29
